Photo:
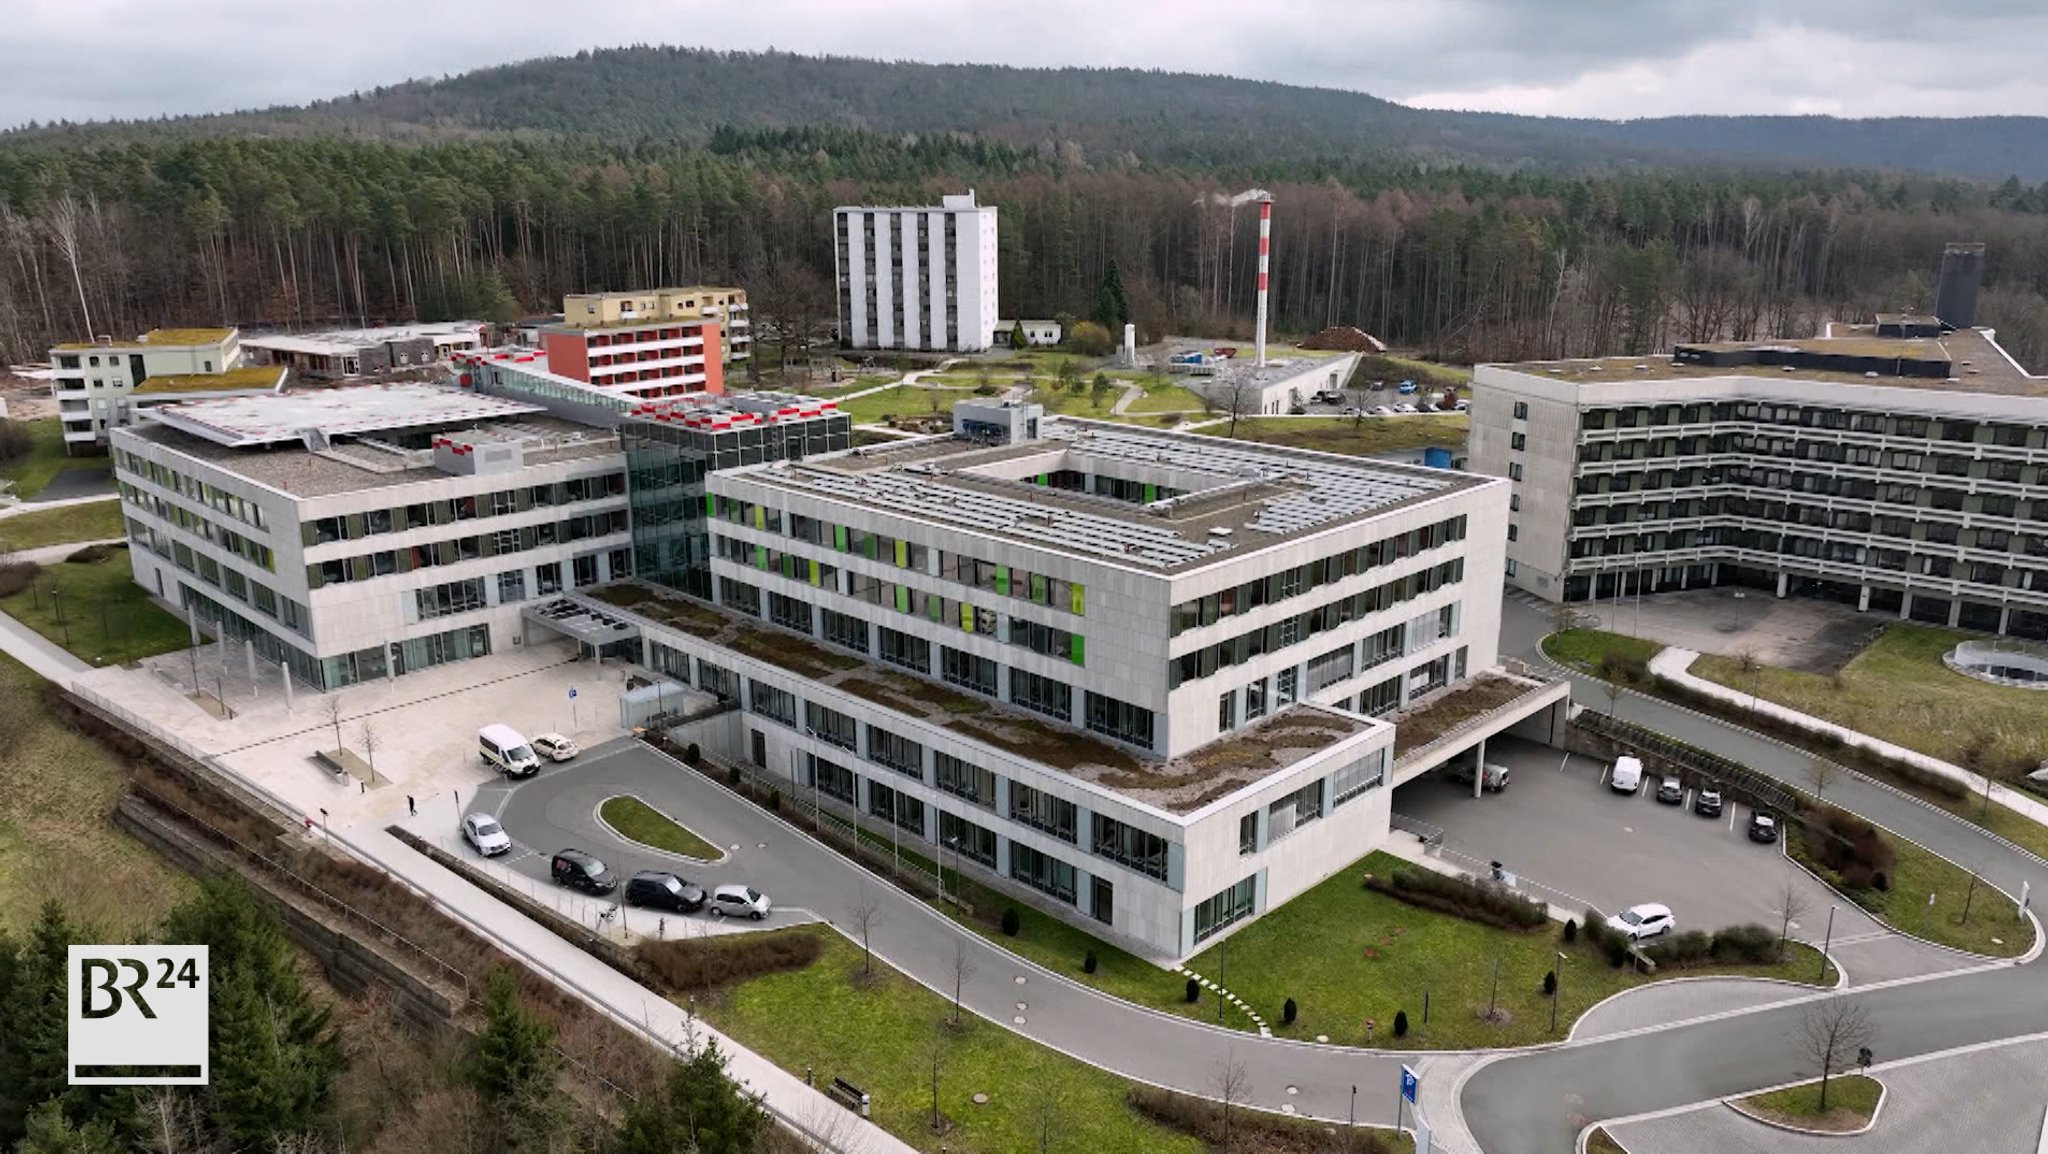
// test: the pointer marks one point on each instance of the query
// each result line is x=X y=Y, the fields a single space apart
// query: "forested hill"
x=1091 y=115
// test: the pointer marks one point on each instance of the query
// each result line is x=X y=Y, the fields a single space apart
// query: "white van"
x=505 y=751
x=1628 y=775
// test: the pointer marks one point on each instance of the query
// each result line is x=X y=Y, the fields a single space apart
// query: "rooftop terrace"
x=1178 y=785
x=250 y=377
x=1978 y=365
x=158 y=338
x=1237 y=496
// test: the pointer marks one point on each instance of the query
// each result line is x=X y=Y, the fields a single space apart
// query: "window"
x=452 y=597
x=968 y=839
x=1521 y=410
x=791 y=613
x=1042 y=872
x=1225 y=909
x=897 y=752
x=1248 y=834
x=898 y=648
x=740 y=596
x=1129 y=846
x=831 y=726
x=1226 y=711
x=967 y=671
x=1514 y=531
x=964 y=779
x=1119 y=719
x=1514 y=470
x=906 y=813
x=1041 y=694
x=1295 y=810
x=1284 y=685
x=1518 y=441
x=1042 y=811
x=772 y=703
x=831 y=779
x=1369 y=772
x=1255 y=700
x=511 y=586
x=1330 y=668
x=845 y=631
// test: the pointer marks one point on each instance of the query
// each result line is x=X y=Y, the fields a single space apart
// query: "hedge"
x=1484 y=902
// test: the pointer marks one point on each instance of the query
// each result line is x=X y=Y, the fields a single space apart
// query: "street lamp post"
x=1827 y=942
x=1556 y=990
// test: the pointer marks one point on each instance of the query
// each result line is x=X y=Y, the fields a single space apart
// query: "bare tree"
x=1563 y=618
x=330 y=708
x=791 y=302
x=1975 y=756
x=866 y=915
x=1237 y=396
x=64 y=232
x=935 y=1057
x=1232 y=1083
x=1822 y=773
x=1046 y=1104
x=1792 y=905
x=1832 y=1034
x=963 y=969
x=368 y=736
x=1752 y=669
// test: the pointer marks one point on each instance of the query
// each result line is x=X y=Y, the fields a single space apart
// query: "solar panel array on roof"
x=929 y=496
x=1332 y=490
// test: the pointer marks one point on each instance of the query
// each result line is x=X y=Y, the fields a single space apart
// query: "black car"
x=1707 y=803
x=1671 y=792
x=663 y=892
x=1763 y=827
x=580 y=871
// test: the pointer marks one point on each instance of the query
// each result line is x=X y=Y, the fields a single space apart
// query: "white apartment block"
x=1901 y=468
x=95 y=383
x=917 y=278
x=1144 y=679
x=357 y=533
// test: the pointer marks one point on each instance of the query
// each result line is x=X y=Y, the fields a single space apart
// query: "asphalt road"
x=1537 y=1102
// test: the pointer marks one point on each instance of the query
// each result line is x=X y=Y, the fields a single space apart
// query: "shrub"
x=1617 y=951
x=16 y=576
x=1011 y=922
x=1088 y=963
x=1571 y=930
x=1691 y=948
x=1550 y=983
x=692 y=964
x=1482 y=902
x=1202 y=1120
x=1194 y=991
x=1287 y=1012
x=90 y=554
x=1595 y=929
x=1880 y=882
x=732 y=776
x=1851 y=848
x=775 y=800
x=1747 y=945
x=692 y=755
x=1400 y=1023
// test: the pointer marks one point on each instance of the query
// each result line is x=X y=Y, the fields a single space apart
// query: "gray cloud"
x=94 y=59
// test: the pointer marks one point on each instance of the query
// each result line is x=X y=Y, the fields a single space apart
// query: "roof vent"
x=1219 y=531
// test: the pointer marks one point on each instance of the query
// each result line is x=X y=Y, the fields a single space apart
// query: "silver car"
x=483 y=832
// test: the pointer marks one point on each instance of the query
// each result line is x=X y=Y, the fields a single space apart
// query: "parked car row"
x=503 y=748
x=656 y=889
x=1627 y=777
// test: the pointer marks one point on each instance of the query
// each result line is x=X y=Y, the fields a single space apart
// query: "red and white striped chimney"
x=1265 y=243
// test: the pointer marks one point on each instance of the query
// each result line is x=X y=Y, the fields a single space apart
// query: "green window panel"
x=1038 y=588
x=760 y=556
x=1080 y=599
x=902 y=554
x=760 y=517
x=1148 y=494
x=1075 y=649
x=967 y=617
x=903 y=599
x=1003 y=580
x=711 y=504
x=815 y=579
x=839 y=537
x=934 y=607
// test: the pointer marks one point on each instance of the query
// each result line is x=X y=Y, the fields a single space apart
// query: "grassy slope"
x=875 y=1035
x=901 y=401
x=1584 y=648
x=98 y=521
x=1345 y=435
x=1917 y=872
x=638 y=821
x=1852 y=1099
x=45 y=460
x=1898 y=690
x=108 y=617
x=56 y=788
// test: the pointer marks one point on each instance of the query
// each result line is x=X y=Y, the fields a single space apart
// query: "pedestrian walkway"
x=1676 y=665
x=48 y=659
x=1235 y=1001
x=35 y=506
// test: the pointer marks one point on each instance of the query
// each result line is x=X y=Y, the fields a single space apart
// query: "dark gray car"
x=663 y=891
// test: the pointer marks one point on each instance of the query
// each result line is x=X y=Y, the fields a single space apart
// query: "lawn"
x=1852 y=1099
x=1063 y=948
x=56 y=789
x=45 y=459
x=900 y=401
x=98 y=521
x=99 y=613
x=1601 y=1142
x=1917 y=872
x=1898 y=690
x=1347 y=954
x=1587 y=649
x=635 y=820
x=1349 y=436
x=877 y=1033
x=1168 y=399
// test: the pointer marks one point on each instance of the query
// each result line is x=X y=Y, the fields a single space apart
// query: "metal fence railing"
x=1704 y=767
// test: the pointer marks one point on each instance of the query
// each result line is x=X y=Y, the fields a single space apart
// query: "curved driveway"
x=1534 y=1101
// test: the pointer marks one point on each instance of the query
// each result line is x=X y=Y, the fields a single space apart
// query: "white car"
x=739 y=901
x=1382 y=411
x=1461 y=406
x=555 y=747
x=1405 y=407
x=483 y=832
x=1644 y=921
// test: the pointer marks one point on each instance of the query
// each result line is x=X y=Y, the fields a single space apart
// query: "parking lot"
x=1574 y=842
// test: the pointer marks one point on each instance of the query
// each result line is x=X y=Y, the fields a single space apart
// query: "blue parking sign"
x=572 y=693
x=1408 y=1084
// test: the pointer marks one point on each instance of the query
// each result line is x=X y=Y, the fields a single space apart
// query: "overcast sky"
x=98 y=59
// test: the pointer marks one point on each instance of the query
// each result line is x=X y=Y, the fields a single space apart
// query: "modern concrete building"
x=366 y=532
x=1900 y=467
x=338 y=353
x=917 y=278
x=94 y=382
x=1154 y=681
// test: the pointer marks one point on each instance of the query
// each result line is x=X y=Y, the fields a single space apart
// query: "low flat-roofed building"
x=94 y=382
x=338 y=353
